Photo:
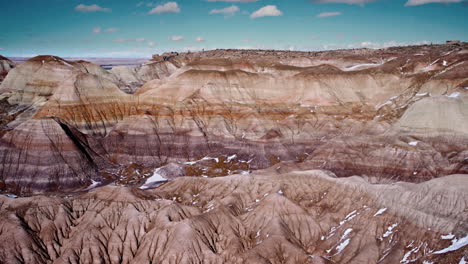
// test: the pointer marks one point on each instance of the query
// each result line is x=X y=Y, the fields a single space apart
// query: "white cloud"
x=1 y=48
x=111 y=30
x=91 y=8
x=381 y=45
x=226 y=11
x=233 y=1
x=328 y=14
x=152 y=43
x=350 y=2
x=269 y=10
x=129 y=40
x=176 y=38
x=199 y=39
x=97 y=30
x=169 y=7
x=423 y=2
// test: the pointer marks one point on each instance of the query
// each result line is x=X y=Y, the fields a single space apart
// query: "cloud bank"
x=329 y=14
x=233 y=1
x=350 y=2
x=423 y=2
x=176 y=38
x=269 y=10
x=91 y=8
x=169 y=7
x=226 y=11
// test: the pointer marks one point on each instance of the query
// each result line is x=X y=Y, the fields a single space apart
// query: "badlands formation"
x=237 y=156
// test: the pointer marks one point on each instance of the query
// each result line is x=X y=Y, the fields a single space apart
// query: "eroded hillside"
x=237 y=156
x=280 y=215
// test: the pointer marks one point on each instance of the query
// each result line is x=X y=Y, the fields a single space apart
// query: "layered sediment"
x=280 y=215
x=397 y=113
x=237 y=156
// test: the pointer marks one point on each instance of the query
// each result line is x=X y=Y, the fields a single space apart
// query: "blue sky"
x=135 y=28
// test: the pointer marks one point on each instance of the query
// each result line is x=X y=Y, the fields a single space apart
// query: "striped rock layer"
x=397 y=113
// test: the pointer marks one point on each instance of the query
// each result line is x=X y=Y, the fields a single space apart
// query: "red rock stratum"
x=237 y=156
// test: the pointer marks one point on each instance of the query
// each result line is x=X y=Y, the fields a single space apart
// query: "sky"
x=135 y=28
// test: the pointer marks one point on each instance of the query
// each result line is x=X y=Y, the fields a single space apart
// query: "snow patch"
x=413 y=143
x=153 y=179
x=350 y=68
x=390 y=230
x=381 y=211
x=462 y=261
x=408 y=254
x=454 y=95
x=231 y=157
x=93 y=185
x=444 y=63
x=449 y=236
x=456 y=244
x=349 y=217
x=342 y=246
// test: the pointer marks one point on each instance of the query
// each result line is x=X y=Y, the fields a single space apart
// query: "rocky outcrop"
x=5 y=66
x=238 y=156
x=280 y=215
x=135 y=77
x=392 y=113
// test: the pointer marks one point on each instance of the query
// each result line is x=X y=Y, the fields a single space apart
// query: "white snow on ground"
x=427 y=262
x=203 y=159
x=445 y=63
x=348 y=217
x=342 y=246
x=155 y=178
x=408 y=254
x=381 y=211
x=449 y=236
x=413 y=143
x=390 y=230
x=462 y=261
x=434 y=62
x=231 y=157
x=454 y=95
x=346 y=233
x=350 y=68
x=93 y=184
x=421 y=94
x=384 y=104
x=456 y=244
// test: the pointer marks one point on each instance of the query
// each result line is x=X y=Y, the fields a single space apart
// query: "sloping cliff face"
x=396 y=113
x=357 y=156
x=5 y=66
x=281 y=215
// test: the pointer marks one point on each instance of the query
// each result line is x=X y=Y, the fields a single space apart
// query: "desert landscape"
x=237 y=156
x=234 y=132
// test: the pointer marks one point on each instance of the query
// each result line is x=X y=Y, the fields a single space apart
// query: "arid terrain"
x=237 y=156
